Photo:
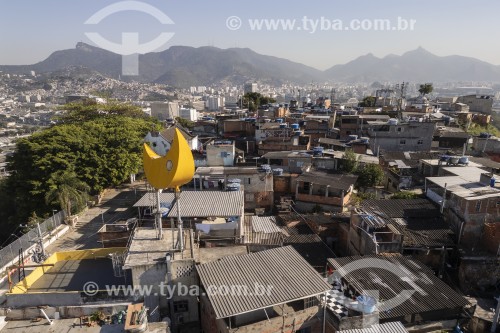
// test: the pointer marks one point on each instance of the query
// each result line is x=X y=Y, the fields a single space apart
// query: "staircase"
x=84 y=226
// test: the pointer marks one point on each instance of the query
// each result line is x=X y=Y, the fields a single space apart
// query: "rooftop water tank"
x=364 y=139
x=282 y=125
x=492 y=182
x=278 y=172
x=367 y=303
x=392 y=121
x=233 y=187
x=295 y=126
x=279 y=120
x=265 y=168
x=353 y=137
x=318 y=151
x=463 y=160
x=297 y=133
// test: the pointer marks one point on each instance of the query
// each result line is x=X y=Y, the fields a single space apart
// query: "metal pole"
x=169 y=281
x=324 y=313
x=54 y=217
x=495 y=318
x=444 y=198
x=158 y=215
x=46 y=317
x=40 y=239
x=179 y=221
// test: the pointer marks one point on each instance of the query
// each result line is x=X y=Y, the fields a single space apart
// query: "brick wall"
x=491 y=237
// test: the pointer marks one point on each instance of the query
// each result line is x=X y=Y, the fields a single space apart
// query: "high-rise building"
x=164 y=110
x=188 y=113
x=250 y=88
x=215 y=103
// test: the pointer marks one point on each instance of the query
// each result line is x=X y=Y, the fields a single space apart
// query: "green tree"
x=405 y=195
x=358 y=198
x=32 y=222
x=370 y=175
x=184 y=122
x=102 y=150
x=350 y=161
x=425 y=89
x=87 y=110
x=70 y=192
x=368 y=101
x=254 y=100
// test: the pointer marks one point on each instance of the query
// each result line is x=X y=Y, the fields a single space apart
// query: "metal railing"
x=11 y=251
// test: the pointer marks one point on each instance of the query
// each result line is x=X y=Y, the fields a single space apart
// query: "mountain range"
x=184 y=66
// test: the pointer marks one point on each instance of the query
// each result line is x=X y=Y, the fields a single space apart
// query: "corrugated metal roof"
x=405 y=208
x=300 y=237
x=418 y=220
x=282 y=269
x=390 y=327
x=336 y=181
x=430 y=293
x=265 y=224
x=199 y=203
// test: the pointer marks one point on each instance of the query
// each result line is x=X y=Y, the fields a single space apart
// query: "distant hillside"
x=184 y=66
x=181 y=66
x=418 y=65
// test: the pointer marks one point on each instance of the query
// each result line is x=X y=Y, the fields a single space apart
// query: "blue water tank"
x=279 y=120
x=282 y=125
x=492 y=182
x=297 y=133
x=295 y=126
x=318 y=150
x=367 y=303
x=353 y=137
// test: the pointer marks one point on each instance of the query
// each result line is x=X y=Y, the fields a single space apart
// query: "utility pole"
x=495 y=318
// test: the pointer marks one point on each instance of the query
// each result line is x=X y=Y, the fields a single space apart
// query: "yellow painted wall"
x=23 y=286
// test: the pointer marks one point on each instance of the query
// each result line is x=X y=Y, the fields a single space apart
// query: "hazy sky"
x=30 y=30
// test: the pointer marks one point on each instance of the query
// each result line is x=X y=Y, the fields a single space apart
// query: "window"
x=310 y=302
x=402 y=142
x=420 y=142
x=181 y=306
x=478 y=206
x=400 y=129
x=249 y=197
x=249 y=181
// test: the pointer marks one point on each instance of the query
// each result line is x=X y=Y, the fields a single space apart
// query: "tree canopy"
x=350 y=162
x=254 y=100
x=370 y=175
x=368 y=101
x=405 y=195
x=92 y=147
x=425 y=89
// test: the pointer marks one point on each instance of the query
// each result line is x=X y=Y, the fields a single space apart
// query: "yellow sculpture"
x=174 y=169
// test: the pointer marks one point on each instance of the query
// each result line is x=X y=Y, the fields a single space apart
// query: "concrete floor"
x=71 y=326
x=73 y=274
x=116 y=205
